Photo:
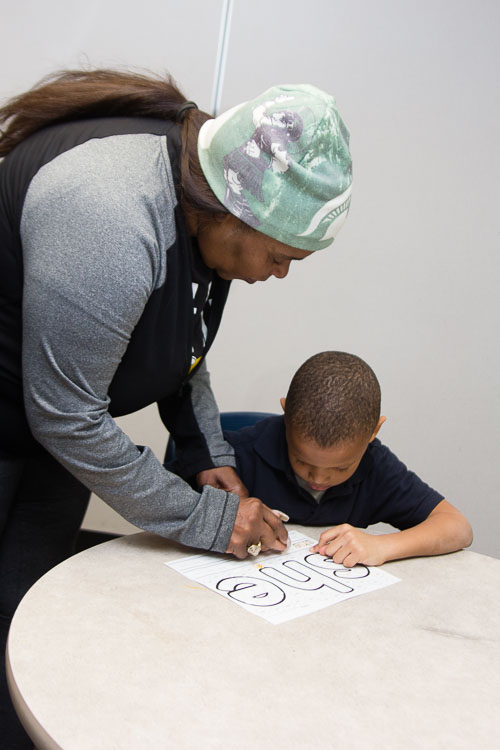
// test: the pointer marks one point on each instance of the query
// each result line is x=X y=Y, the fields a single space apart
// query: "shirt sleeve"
x=399 y=496
x=92 y=256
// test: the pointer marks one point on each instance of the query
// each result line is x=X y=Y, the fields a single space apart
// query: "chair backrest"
x=235 y=420
x=229 y=420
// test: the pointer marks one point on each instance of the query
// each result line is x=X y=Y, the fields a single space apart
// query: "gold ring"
x=254 y=549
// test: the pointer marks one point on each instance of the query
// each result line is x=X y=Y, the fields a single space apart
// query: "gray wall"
x=411 y=283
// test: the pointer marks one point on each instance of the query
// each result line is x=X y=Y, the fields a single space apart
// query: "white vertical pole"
x=220 y=65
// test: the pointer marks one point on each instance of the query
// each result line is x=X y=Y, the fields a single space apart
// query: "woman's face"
x=236 y=251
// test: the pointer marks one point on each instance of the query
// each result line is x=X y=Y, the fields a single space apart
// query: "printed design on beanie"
x=330 y=217
x=267 y=148
x=281 y=164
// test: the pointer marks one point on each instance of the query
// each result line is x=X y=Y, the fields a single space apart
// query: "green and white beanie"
x=281 y=164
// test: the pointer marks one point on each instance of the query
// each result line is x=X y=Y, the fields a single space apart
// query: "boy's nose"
x=317 y=477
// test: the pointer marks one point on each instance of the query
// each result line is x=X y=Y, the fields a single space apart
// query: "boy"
x=322 y=464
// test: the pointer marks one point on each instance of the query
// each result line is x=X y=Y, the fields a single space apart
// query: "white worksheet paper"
x=282 y=586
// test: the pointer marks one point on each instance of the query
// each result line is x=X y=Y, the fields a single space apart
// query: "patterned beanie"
x=281 y=164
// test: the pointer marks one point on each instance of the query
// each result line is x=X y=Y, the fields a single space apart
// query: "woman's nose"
x=281 y=269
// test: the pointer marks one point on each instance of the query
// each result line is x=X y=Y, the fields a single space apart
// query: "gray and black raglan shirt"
x=94 y=247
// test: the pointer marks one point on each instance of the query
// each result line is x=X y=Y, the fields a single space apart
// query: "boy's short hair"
x=333 y=397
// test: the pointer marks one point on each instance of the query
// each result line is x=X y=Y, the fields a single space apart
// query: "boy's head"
x=332 y=412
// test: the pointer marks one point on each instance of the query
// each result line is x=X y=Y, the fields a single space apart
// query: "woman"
x=121 y=228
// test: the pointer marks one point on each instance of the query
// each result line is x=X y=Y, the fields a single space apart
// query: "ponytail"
x=81 y=94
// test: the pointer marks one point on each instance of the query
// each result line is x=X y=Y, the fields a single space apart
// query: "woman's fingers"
x=276 y=524
x=255 y=523
x=223 y=478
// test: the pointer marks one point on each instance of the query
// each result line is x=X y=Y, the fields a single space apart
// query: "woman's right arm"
x=91 y=263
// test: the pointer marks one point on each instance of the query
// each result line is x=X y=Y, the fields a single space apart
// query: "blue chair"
x=229 y=420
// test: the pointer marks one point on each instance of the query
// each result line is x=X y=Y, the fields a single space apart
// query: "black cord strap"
x=181 y=112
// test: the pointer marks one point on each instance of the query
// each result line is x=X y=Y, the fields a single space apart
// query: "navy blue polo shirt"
x=381 y=488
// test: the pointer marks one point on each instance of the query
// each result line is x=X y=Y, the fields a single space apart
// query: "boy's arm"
x=444 y=530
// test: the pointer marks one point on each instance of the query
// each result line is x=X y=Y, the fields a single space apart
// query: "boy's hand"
x=223 y=478
x=348 y=545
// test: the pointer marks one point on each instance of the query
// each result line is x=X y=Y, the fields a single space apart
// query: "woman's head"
x=281 y=164
x=273 y=174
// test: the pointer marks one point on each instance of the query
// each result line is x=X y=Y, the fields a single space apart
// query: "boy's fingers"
x=327 y=536
x=350 y=560
x=336 y=548
x=333 y=547
x=325 y=546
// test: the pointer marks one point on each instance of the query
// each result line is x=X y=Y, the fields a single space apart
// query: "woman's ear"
x=283 y=402
x=199 y=220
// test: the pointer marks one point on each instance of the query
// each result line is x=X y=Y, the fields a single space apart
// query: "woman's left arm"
x=192 y=417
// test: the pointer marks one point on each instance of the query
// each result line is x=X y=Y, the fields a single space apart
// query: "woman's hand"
x=223 y=478
x=348 y=546
x=254 y=523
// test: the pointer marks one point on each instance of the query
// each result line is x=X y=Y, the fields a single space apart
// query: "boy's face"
x=320 y=467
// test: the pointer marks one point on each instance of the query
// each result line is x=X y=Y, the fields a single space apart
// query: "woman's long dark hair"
x=79 y=94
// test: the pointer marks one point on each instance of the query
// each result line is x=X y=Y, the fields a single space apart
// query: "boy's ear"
x=377 y=428
x=283 y=402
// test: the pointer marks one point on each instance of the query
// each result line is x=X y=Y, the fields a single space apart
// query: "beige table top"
x=114 y=650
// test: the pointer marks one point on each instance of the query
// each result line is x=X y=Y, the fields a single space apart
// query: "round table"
x=113 y=649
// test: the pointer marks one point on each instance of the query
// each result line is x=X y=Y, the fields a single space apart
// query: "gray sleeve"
x=94 y=240
x=207 y=416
